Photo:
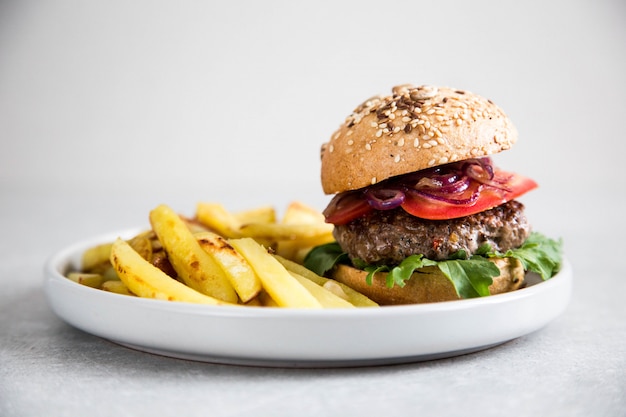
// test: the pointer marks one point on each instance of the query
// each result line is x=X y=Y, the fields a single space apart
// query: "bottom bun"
x=427 y=285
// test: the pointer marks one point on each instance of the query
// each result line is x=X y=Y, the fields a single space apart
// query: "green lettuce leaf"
x=471 y=276
x=323 y=258
x=538 y=254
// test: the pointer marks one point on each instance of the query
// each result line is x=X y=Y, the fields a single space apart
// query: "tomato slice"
x=348 y=206
x=488 y=198
x=345 y=207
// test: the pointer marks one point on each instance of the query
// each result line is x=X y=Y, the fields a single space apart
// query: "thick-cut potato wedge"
x=326 y=298
x=354 y=297
x=95 y=256
x=116 y=286
x=277 y=281
x=264 y=214
x=193 y=265
x=88 y=279
x=142 y=245
x=240 y=274
x=145 y=280
x=278 y=231
x=298 y=213
x=217 y=218
x=265 y=300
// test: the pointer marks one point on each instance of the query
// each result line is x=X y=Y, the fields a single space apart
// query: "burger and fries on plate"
x=419 y=214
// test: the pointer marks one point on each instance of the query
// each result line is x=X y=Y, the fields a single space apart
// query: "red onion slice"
x=384 y=198
x=447 y=198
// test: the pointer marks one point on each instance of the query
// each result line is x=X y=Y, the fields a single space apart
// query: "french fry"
x=116 y=286
x=95 y=256
x=109 y=273
x=221 y=259
x=277 y=281
x=298 y=213
x=264 y=214
x=265 y=300
x=142 y=245
x=240 y=274
x=326 y=298
x=145 y=280
x=354 y=297
x=217 y=218
x=193 y=265
x=278 y=231
x=88 y=279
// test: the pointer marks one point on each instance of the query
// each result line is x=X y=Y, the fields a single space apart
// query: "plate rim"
x=64 y=258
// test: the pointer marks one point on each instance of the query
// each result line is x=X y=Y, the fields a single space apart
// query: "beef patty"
x=386 y=237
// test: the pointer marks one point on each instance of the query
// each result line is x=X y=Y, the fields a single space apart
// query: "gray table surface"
x=576 y=366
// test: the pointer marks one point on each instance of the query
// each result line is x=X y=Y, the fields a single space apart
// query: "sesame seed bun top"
x=414 y=128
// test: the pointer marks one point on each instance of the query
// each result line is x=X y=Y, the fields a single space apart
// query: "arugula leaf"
x=400 y=274
x=471 y=276
x=538 y=254
x=321 y=259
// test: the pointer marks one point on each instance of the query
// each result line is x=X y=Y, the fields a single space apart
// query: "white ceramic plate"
x=301 y=338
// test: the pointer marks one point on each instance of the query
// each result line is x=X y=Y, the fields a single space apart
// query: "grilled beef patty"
x=386 y=237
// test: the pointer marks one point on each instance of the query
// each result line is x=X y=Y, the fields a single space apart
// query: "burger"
x=420 y=211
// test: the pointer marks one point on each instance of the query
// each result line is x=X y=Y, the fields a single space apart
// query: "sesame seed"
x=396 y=159
x=350 y=142
x=331 y=148
x=427 y=145
x=379 y=133
x=401 y=142
x=416 y=142
x=373 y=180
x=431 y=162
x=368 y=146
x=443 y=160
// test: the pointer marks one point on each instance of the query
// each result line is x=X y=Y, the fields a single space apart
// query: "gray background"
x=109 y=108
